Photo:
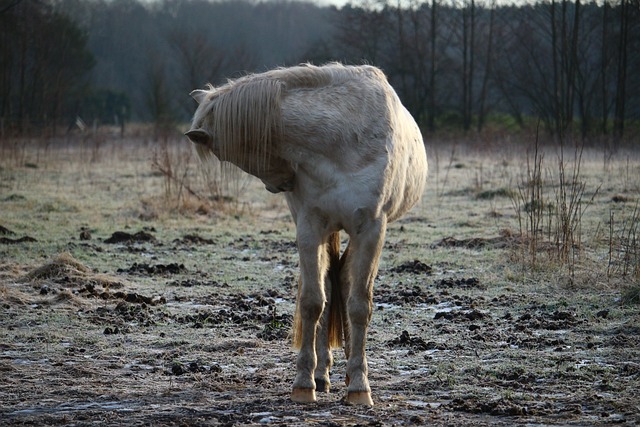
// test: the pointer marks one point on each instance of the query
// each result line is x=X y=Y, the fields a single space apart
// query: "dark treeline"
x=571 y=65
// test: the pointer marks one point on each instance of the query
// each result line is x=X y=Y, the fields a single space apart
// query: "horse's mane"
x=244 y=115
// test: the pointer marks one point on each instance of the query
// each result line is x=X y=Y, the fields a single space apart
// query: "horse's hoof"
x=322 y=386
x=359 y=398
x=303 y=395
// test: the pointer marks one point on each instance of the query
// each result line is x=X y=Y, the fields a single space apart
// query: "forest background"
x=465 y=65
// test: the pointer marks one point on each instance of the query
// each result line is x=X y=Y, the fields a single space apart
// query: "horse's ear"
x=199 y=136
x=199 y=95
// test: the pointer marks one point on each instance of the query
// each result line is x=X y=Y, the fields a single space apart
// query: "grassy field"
x=137 y=288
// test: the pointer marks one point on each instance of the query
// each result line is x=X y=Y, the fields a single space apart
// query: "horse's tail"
x=336 y=305
x=336 y=310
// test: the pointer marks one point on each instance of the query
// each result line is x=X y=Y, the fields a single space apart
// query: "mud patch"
x=257 y=311
x=500 y=407
x=124 y=237
x=23 y=239
x=468 y=283
x=193 y=239
x=131 y=297
x=279 y=328
x=280 y=246
x=152 y=270
x=125 y=317
x=190 y=283
x=558 y=320
x=461 y=315
x=404 y=295
x=507 y=239
x=414 y=267
x=11 y=241
x=194 y=367
x=5 y=231
x=415 y=343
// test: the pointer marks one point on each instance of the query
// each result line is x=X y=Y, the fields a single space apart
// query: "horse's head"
x=233 y=139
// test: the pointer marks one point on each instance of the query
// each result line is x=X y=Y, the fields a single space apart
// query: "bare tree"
x=432 y=68
x=9 y=5
x=468 y=61
x=621 y=80
x=44 y=59
x=361 y=31
x=158 y=98
x=199 y=61
x=487 y=68
x=604 y=55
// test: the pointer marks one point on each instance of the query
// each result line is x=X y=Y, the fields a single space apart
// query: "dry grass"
x=567 y=206
x=81 y=352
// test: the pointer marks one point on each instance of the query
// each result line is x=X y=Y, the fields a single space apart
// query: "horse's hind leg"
x=329 y=333
x=366 y=245
x=323 y=349
x=310 y=305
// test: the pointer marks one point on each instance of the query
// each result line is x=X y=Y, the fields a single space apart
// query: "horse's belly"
x=334 y=196
x=339 y=197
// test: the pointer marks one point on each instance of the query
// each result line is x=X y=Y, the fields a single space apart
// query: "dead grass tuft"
x=64 y=266
x=65 y=296
x=10 y=271
x=631 y=295
x=14 y=296
x=64 y=269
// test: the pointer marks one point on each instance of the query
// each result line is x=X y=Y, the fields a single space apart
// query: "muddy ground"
x=112 y=315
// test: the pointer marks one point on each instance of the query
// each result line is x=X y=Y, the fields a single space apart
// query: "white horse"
x=348 y=156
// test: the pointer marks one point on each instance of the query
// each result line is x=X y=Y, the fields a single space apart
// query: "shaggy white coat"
x=348 y=156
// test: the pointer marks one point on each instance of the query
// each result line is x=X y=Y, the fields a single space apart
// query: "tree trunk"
x=468 y=35
x=572 y=69
x=618 y=121
x=603 y=68
x=432 y=73
x=557 y=110
x=487 y=68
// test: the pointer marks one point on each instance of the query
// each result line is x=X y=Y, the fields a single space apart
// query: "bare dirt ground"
x=131 y=294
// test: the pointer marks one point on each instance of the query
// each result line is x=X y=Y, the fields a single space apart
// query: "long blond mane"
x=245 y=117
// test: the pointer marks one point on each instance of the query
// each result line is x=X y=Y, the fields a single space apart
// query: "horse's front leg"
x=310 y=305
x=366 y=244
